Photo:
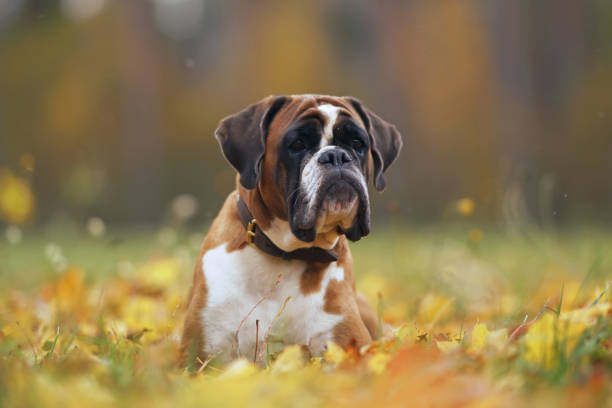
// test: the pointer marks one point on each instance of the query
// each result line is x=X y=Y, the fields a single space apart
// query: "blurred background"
x=498 y=208
x=108 y=108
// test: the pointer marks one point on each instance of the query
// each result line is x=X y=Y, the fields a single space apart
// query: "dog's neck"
x=277 y=228
x=280 y=233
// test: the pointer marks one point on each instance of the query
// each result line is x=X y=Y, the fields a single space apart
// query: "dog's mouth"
x=339 y=199
x=338 y=207
x=341 y=207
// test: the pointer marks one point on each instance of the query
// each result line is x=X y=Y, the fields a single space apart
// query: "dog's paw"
x=318 y=343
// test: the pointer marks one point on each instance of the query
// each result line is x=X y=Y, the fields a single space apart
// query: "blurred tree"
x=505 y=103
x=142 y=149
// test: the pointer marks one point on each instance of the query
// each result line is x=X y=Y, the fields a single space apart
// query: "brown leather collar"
x=256 y=237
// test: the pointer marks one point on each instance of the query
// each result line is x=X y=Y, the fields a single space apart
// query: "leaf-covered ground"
x=480 y=319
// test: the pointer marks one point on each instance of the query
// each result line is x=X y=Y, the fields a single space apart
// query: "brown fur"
x=226 y=228
x=310 y=281
x=359 y=324
x=341 y=298
x=367 y=315
x=267 y=202
x=270 y=194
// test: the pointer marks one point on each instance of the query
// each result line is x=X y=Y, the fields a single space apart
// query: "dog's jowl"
x=276 y=262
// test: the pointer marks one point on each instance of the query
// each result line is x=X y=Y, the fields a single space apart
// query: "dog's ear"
x=385 y=140
x=242 y=137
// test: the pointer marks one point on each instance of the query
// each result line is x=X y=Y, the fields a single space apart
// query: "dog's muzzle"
x=332 y=196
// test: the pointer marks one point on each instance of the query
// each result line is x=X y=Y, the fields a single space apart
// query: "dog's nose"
x=334 y=158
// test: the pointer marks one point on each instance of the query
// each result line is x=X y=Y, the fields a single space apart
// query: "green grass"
x=413 y=259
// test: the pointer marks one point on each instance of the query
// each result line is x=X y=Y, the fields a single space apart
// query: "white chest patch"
x=238 y=280
x=331 y=114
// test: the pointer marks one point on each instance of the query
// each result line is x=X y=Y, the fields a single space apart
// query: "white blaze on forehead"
x=331 y=114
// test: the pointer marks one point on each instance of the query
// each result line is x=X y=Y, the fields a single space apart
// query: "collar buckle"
x=250 y=233
x=264 y=244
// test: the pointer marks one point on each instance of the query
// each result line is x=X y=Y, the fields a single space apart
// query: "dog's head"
x=310 y=158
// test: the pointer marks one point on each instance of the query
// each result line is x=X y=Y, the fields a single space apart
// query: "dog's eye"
x=357 y=144
x=297 y=145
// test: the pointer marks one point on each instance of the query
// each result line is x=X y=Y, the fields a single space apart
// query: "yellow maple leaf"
x=291 y=359
x=146 y=318
x=479 y=337
x=240 y=368
x=551 y=336
x=334 y=353
x=378 y=363
x=315 y=362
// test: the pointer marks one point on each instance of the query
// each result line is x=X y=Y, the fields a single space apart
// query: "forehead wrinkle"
x=304 y=104
x=283 y=120
x=308 y=107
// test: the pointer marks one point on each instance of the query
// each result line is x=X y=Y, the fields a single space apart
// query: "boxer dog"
x=276 y=261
